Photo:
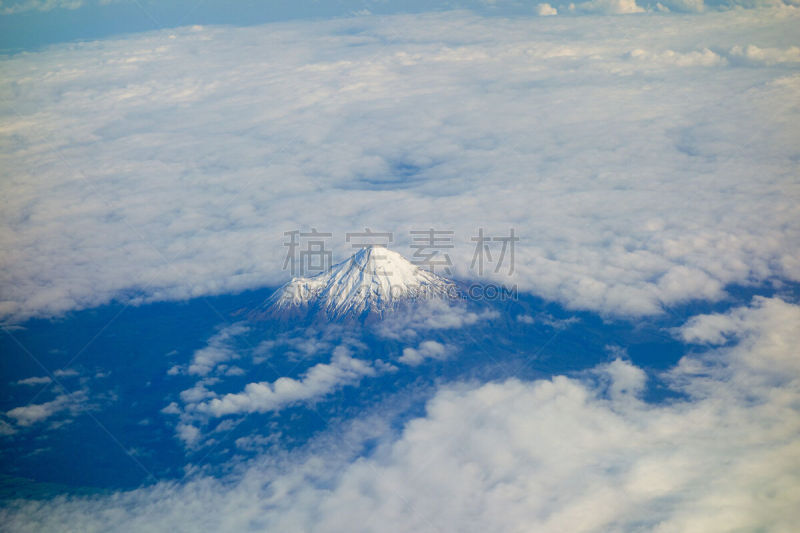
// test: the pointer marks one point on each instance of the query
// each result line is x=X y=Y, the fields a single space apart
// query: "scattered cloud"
x=28 y=415
x=199 y=391
x=318 y=381
x=188 y=434
x=334 y=344
x=548 y=320
x=560 y=454
x=755 y=359
x=425 y=350
x=432 y=315
x=171 y=409
x=305 y=343
x=217 y=351
x=34 y=380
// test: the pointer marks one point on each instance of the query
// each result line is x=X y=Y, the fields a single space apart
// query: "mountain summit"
x=374 y=279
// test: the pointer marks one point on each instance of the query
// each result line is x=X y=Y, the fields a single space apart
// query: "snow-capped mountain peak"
x=374 y=279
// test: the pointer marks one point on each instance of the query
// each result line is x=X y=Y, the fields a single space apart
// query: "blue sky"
x=33 y=24
x=27 y=24
x=154 y=155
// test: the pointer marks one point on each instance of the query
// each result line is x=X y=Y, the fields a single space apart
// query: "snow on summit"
x=374 y=279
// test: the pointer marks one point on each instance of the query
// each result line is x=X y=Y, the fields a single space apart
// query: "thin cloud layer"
x=432 y=315
x=350 y=7
x=552 y=455
x=21 y=6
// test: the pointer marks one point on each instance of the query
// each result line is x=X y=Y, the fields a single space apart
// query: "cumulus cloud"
x=425 y=350
x=177 y=164
x=703 y=58
x=560 y=454
x=545 y=10
x=768 y=56
x=768 y=360
x=608 y=7
x=199 y=391
x=319 y=380
x=623 y=377
x=28 y=415
x=188 y=434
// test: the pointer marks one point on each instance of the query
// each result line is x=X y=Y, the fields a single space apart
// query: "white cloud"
x=690 y=6
x=6 y=429
x=28 y=415
x=171 y=409
x=218 y=350
x=199 y=391
x=748 y=55
x=767 y=56
x=548 y=320
x=702 y=58
x=526 y=319
x=255 y=442
x=555 y=455
x=624 y=378
x=34 y=380
x=425 y=350
x=431 y=315
x=187 y=433
x=201 y=403
x=614 y=179
x=12 y=7
x=319 y=380
x=608 y=7
x=545 y=10
x=760 y=333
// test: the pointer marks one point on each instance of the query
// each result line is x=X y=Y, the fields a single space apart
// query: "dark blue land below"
x=121 y=356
